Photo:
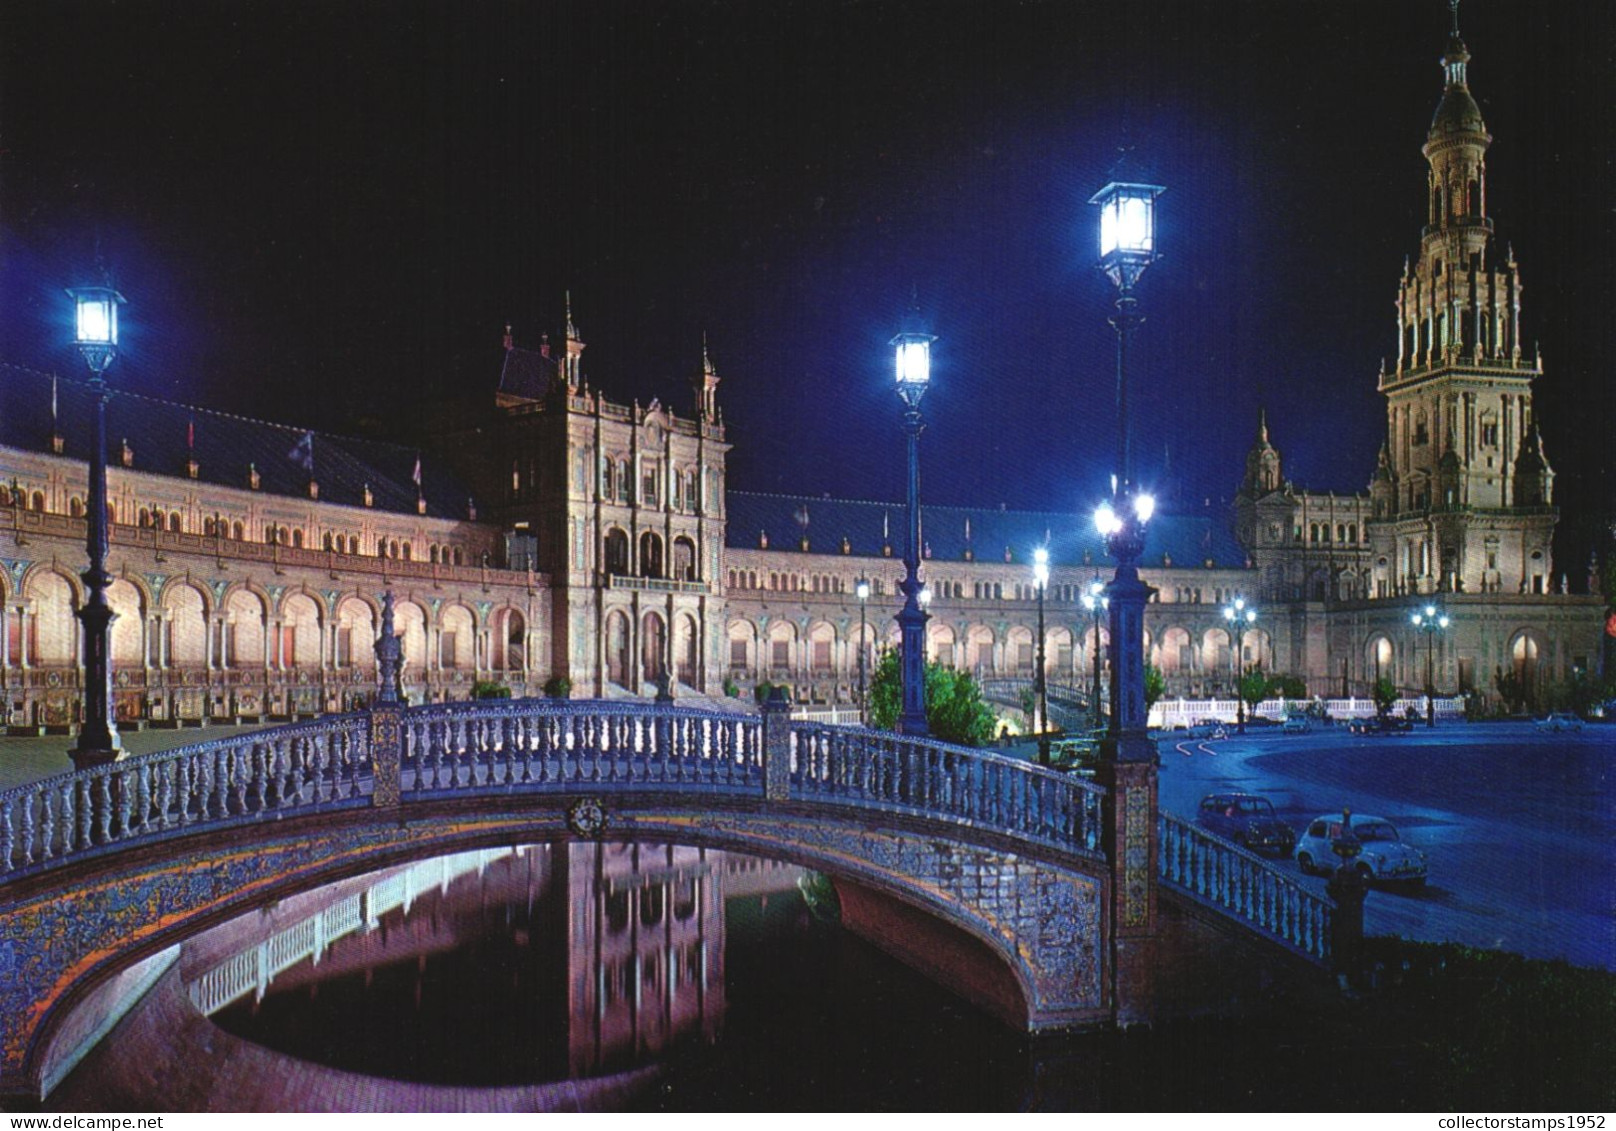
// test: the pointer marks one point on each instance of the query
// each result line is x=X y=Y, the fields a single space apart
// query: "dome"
x=1457 y=113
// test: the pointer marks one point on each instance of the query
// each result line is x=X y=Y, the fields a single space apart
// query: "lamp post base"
x=89 y=755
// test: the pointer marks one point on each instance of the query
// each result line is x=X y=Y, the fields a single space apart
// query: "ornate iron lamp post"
x=1127 y=248
x=913 y=368
x=1096 y=602
x=97 y=341
x=862 y=588
x=1239 y=615
x=1430 y=621
x=1040 y=577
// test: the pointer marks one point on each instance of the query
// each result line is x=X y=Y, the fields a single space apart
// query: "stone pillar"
x=1348 y=888
x=1129 y=840
x=777 y=746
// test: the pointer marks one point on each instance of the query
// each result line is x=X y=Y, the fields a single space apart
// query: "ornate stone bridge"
x=1055 y=877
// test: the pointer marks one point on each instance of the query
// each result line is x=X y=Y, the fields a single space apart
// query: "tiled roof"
x=527 y=373
x=1186 y=540
x=225 y=446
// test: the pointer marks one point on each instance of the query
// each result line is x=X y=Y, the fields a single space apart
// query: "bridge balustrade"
x=539 y=744
x=877 y=770
x=313 y=765
x=533 y=746
x=1243 y=884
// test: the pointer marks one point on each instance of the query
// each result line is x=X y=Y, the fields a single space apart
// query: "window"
x=945 y=655
x=781 y=654
x=285 y=645
x=447 y=647
x=737 y=654
x=344 y=657
x=821 y=655
x=1489 y=433
x=648 y=484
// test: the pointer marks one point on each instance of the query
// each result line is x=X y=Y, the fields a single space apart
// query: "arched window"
x=297 y=539
x=651 y=555
x=238 y=532
x=616 y=556
x=174 y=525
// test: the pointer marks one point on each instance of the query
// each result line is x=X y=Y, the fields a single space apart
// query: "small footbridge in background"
x=1052 y=876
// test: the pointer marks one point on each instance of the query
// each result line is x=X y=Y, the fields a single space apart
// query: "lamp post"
x=1239 y=615
x=913 y=370
x=97 y=341
x=1430 y=621
x=862 y=588
x=1040 y=576
x=1095 y=601
x=1127 y=248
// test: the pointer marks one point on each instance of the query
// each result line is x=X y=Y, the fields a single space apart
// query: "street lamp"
x=97 y=340
x=913 y=369
x=862 y=588
x=1095 y=601
x=1239 y=615
x=1127 y=248
x=1040 y=576
x=1430 y=621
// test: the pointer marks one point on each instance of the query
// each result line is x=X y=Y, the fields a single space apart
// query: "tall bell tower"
x=1465 y=493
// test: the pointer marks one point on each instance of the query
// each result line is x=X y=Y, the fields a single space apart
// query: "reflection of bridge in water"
x=1038 y=894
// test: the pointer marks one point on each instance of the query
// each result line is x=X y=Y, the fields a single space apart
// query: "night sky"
x=324 y=213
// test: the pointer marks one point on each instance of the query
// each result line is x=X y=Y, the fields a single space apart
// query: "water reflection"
x=499 y=966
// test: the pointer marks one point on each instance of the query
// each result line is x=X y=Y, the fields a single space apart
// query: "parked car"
x=1384 y=857
x=1382 y=724
x=1248 y=819
x=1296 y=724
x=1558 y=722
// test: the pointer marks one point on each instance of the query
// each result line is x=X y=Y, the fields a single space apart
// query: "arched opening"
x=684 y=559
x=689 y=651
x=618 y=659
x=653 y=647
x=651 y=554
x=510 y=635
x=616 y=555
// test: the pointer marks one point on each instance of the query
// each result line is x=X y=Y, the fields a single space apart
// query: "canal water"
x=689 y=978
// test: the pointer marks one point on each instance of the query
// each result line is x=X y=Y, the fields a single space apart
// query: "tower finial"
x=1262 y=424
x=572 y=330
x=1453 y=9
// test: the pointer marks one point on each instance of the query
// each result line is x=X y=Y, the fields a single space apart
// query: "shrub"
x=488 y=689
x=558 y=687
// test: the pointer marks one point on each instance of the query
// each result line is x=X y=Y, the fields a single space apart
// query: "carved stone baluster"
x=103 y=792
x=8 y=836
x=47 y=825
x=28 y=829
x=69 y=827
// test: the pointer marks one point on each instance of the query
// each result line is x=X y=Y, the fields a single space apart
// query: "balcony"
x=654 y=584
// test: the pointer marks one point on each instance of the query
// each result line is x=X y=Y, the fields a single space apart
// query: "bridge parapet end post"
x=777 y=746
x=1129 y=841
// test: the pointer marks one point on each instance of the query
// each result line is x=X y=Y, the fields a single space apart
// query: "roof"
x=528 y=374
x=1184 y=539
x=160 y=432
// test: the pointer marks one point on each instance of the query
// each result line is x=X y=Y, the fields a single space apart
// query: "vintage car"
x=1382 y=724
x=1247 y=819
x=1383 y=857
x=1296 y=724
x=1559 y=722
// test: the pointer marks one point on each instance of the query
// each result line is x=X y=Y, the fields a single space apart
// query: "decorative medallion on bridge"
x=1136 y=859
x=386 y=751
x=587 y=817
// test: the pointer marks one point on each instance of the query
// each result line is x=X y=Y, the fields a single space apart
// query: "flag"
x=53 y=402
x=303 y=453
x=190 y=433
x=416 y=474
x=801 y=515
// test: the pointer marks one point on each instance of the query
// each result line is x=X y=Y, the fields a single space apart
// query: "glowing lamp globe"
x=1127 y=229
x=1144 y=506
x=1040 y=566
x=862 y=590
x=1106 y=520
x=96 y=324
x=912 y=354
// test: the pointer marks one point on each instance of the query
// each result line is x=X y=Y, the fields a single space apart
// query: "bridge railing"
x=1244 y=885
x=886 y=772
x=540 y=744
x=246 y=777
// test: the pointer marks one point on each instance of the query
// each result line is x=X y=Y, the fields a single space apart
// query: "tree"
x=955 y=709
x=1384 y=694
x=1155 y=686
x=1254 y=686
x=1512 y=689
x=1288 y=686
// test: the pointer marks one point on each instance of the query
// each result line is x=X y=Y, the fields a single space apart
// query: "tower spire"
x=575 y=349
x=705 y=384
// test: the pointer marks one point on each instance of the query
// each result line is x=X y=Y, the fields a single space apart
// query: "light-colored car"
x=1384 y=857
x=1296 y=724
x=1558 y=722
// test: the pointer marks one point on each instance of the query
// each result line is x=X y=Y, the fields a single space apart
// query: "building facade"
x=561 y=537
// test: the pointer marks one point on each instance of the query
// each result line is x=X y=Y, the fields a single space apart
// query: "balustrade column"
x=23 y=642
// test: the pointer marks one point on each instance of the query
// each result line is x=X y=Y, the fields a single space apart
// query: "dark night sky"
x=324 y=212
